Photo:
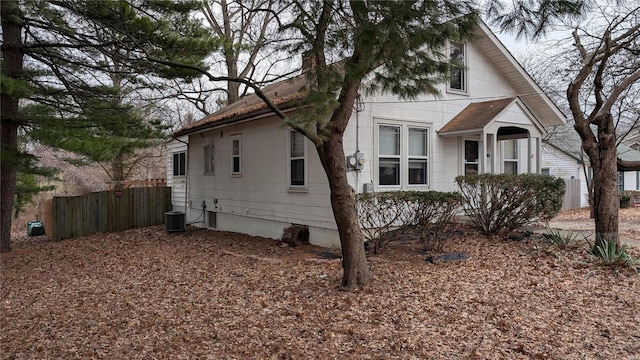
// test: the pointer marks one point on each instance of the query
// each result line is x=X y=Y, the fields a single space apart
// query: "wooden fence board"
x=105 y=211
x=571 y=195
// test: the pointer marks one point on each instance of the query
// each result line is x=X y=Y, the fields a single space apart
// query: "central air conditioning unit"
x=174 y=221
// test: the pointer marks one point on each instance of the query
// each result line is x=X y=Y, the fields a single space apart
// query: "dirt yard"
x=146 y=294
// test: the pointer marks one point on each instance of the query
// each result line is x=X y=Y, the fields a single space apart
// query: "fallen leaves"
x=206 y=294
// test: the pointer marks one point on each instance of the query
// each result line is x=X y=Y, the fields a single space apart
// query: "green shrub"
x=430 y=212
x=498 y=203
x=625 y=201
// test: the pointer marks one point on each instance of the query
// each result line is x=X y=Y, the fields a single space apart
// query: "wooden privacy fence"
x=571 y=194
x=104 y=211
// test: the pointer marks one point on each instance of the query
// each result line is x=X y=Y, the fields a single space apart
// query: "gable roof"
x=476 y=115
x=527 y=89
x=566 y=139
x=282 y=94
x=285 y=94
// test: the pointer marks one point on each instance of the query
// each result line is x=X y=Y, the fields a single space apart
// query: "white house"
x=249 y=173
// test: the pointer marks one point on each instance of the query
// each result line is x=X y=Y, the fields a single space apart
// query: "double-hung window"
x=209 y=160
x=510 y=156
x=236 y=155
x=179 y=164
x=458 y=79
x=389 y=155
x=403 y=156
x=418 y=139
x=297 y=161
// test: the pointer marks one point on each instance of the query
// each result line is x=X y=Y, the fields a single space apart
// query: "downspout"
x=358 y=106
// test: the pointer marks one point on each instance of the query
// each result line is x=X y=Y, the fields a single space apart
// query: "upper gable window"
x=457 y=56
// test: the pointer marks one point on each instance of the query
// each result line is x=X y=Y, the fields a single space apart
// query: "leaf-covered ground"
x=146 y=294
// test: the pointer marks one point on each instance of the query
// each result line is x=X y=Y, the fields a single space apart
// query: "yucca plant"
x=557 y=238
x=612 y=254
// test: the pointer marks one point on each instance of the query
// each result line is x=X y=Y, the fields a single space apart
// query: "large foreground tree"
x=59 y=59
x=400 y=46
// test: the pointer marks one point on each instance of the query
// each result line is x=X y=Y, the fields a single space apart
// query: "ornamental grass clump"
x=500 y=203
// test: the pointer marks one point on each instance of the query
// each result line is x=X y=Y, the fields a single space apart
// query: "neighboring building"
x=247 y=172
x=562 y=156
x=629 y=150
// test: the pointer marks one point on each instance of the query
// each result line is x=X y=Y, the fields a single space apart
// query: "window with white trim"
x=457 y=57
x=418 y=156
x=510 y=156
x=389 y=155
x=180 y=164
x=403 y=156
x=209 y=162
x=236 y=155
x=297 y=161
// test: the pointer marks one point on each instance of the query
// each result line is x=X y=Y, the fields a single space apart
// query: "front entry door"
x=471 y=157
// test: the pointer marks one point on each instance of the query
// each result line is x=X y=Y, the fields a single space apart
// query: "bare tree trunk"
x=13 y=56
x=7 y=177
x=606 y=202
x=343 y=201
x=354 y=260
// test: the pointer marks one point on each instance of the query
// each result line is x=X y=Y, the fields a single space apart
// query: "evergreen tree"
x=70 y=68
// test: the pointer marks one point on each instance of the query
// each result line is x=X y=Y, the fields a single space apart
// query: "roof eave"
x=528 y=90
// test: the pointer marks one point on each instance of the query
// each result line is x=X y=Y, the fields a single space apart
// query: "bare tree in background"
x=252 y=48
x=602 y=82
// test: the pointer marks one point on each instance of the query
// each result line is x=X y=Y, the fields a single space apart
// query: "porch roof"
x=508 y=118
x=476 y=116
